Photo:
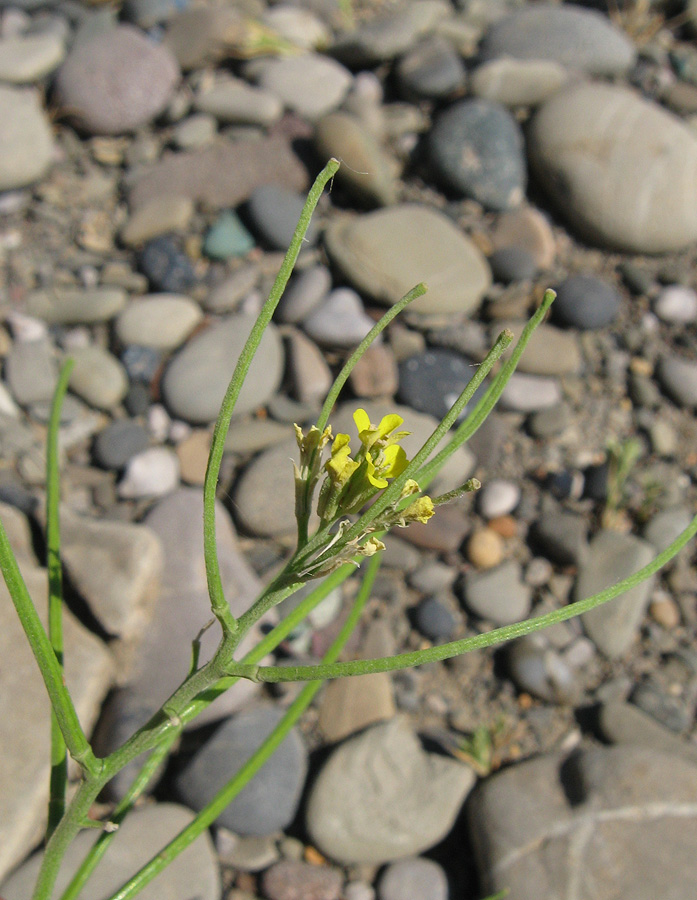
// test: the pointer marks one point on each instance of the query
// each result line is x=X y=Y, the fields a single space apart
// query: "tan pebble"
x=528 y=228
x=666 y=612
x=375 y=373
x=193 y=456
x=506 y=526
x=485 y=549
x=640 y=366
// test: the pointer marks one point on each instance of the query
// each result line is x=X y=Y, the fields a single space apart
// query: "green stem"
x=212 y=810
x=59 y=757
x=219 y=605
x=466 y=645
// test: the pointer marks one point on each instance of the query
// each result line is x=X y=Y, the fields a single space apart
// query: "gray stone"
x=676 y=303
x=611 y=557
x=575 y=37
x=196 y=380
x=432 y=70
x=381 y=797
x=228 y=238
x=228 y=294
x=233 y=101
x=678 y=378
x=517 y=82
x=562 y=536
x=309 y=373
x=308 y=84
x=98 y=377
x=274 y=212
x=663 y=528
x=538 y=669
x=265 y=493
x=606 y=823
x=300 y=26
x=530 y=393
x=26 y=141
x=624 y=723
x=498 y=498
x=385 y=253
x=339 y=321
x=24 y=775
x=498 y=595
x=31 y=370
x=511 y=264
x=292 y=879
x=162 y=321
x=118 y=442
x=29 y=57
x=595 y=141
x=304 y=293
x=586 y=302
x=270 y=800
x=194 y=131
x=413 y=879
x=194 y=873
x=116 y=81
x=72 y=306
x=476 y=148
x=434 y=620
x=432 y=381
x=550 y=351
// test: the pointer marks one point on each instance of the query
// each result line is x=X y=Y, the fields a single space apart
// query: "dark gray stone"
x=432 y=70
x=586 y=302
x=118 y=442
x=274 y=212
x=431 y=382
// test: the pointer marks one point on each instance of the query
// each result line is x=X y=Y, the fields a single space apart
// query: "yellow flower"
x=420 y=510
x=382 y=434
x=390 y=463
x=340 y=467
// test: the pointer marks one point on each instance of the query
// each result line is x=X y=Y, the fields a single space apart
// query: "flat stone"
x=575 y=37
x=676 y=303
x=530 y=393
x=24 y=775
x=611 y=557
x=291 y=879
x=274 y=212
x=265 y=492
x=234 y=102
x=227 y=238
x=339 y=320
x=74 y=306
x=160 y=216
x=595 y=141
x=586 y=302
x=166 y=265
x=162 y=321
x=204 y=34
x=116 y=81
x=26 y=141
x=678 y=378
x=29 y=57
x=385 y=253
x=624 y=723
x=537 y=668
x=528 y=229
x=375 y=374
x=517 y=82
x=194 y=131
x=305 y=292
x=223 y=175
x=309 y=373
x=31 y=370
x=300 y=26
x=562 y=536
x=381 y=797
x=309 y=84
x=228 y=294
x=476 y=148
x=432 y=70
x=98 y=377
x=498 y=595
x=194 y=873
x=270 y=800
x=551 y=825
x=550 y=351
x=195 y=382
x=118 y=442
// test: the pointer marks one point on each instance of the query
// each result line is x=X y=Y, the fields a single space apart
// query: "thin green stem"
x=212 y=810
x=466 y=645
x=219 y=605
x=59 y=757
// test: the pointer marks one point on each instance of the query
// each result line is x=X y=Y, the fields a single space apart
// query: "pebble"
x=476 y=148
x=530 y=393
x=196 y=379
x=669 y=711
x=300 y=26
x=161 y=321
x=550 y=350
x=517 y=82
x=228 y=238
x=305 y=292
x=528 y=229
x=577 y=38
x=434 y=620
x=194 y=131
x=385 y=253
x=246 y=854
x=586 y=302
x=538 y=669
x=274 y=212
x=98 y=377
x=159 y=216
x=26 y=148
x=296 y=880
x=270 y=800
x=562 y=536
x=151 y=473
x=498 y=595
x=339 y=320
x=432 y=70
x=310 y=376
x=498 y=498
x=413 y=879
x=366 y=172
x=147 y=13
x=431 y=382
x=116 y=81
x=676 y=304
x=485 y=548
x=665 y=526
x=264 y=493
x=626 y=724
x=118 y=442
x=233 y=101
x=409 y=802
x=200 y=35
x=31 y=371
x=678 y=378
x=30 y=57
x=192 y=453
x=611 y=557
x=70 y=306
x=631 y=150
x=510 y=264
x=230 y=293
x=194 y=873
x=309 y=84
x=375 y=374
x=166 y=266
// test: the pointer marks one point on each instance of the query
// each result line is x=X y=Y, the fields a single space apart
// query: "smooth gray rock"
x=586 y=302
x=381 y=797
x=270 y=800
x=431 y=70
x=194 y=873
x=662 y=529
x=305 y=292
x=562 y=536
x=385 y=253
x=517 y=82
x=339 y=320
x=550 y=351
x=26 y=141
x=575 y=37
x=265 y=492
x=234 y=102
x=274 y=212
x=413 y=879
x=71 y=306
x=25 y=58
x=678 y=378
x=607 y=823
x=498 y=595
x=530 y=393
x=595 y=141
x=309 y=84
x=162 y=321
x=292 y=878
x=116 y=81
x=31 y=370
x=624 y=723
x=154 y=472
x=538 y=669
x=98 y=377
x=611 y=557
x=196 y=380
x=118 y=442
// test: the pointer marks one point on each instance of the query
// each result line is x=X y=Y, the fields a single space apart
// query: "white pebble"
x=26 y=328
x=498 y=498
x=159 y=422
x=677 y=303
x=152 y=473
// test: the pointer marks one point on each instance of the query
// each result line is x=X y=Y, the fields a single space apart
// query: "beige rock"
x=160 y=215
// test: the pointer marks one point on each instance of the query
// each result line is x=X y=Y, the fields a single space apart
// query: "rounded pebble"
x=485 y=548
x=413 y=879
x=498 y=498
x=676 y=304
x=161 y=321
x=152 y=473
x=586 y=302
x=26 y=143
x=118 y=442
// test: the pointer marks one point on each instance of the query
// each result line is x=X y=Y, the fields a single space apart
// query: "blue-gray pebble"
x=511 y=264
x=431 y=70
x=118 y=442
x=586 y=302
x=166 y=266
x=274 y=211
x=434 y=619
x=476 y=149
x=227 y=238
x=430 y=382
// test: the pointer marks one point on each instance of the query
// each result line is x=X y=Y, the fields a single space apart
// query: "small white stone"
x=159 y=422
x=26 y=328
x=152 y=473
x=677 y=303
x=498 y=498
